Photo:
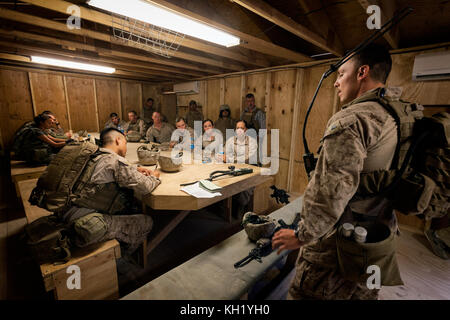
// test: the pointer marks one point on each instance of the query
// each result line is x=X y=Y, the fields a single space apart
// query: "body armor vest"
x=67 y=182
x=250 y=118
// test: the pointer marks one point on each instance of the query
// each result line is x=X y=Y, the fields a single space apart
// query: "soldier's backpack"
x=53 y=191
x=47 y=239
x=19 y=137
x=418 y=181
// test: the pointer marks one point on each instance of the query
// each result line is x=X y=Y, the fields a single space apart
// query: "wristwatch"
x=296 y=231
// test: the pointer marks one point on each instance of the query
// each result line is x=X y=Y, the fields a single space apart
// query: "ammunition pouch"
x=354 y=258
x=48 y=240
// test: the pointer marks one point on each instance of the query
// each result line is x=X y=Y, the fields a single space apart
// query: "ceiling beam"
x=106 y=52
x=388 y=8
x=105 y=19
x=321 y=23
x=249 y=42
x=268 y=12
x=28 y=50
x=190 y=58
x=25 y=61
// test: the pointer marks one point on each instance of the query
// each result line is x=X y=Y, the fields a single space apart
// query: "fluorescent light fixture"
x=158 y=16
x=72 y=65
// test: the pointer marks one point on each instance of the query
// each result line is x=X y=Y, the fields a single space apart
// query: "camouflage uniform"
x=192 y=116
x=360 y=138
x=128 y=228
x=57 y=133
x=28 y=147
x=138 y=126
x=160 y=135
x=255 y=119
x=121 y=126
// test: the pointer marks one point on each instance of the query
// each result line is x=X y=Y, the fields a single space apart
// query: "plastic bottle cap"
x=347 y=229
x=360 y=232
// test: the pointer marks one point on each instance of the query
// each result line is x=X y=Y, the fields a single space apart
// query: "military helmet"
x=257 y=226
x=133 y=136
x=224 y=107
x=148 y=155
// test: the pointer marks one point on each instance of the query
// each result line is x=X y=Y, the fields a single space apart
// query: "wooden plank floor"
x=426 y=276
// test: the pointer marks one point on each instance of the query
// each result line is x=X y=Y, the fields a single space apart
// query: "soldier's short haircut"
x=150 y=99
x=379 y=60
x=113 y=114
x=41 y=118
x=192 y=102
x=47 y=112
x=132 y=111
x=249 y=95
x=108 y=136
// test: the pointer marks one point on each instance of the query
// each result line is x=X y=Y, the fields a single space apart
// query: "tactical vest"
x=250 y=118
x=67 y=182
x=418 y=179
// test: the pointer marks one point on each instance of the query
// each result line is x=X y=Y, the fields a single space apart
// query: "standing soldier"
x=193 y=114
x=360 y=139
x=255 y=117
x=225 y=121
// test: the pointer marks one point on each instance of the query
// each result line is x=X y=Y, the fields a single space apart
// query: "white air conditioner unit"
x=432 y=66
x=187 y=87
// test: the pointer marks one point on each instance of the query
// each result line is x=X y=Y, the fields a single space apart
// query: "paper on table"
x=198 y=192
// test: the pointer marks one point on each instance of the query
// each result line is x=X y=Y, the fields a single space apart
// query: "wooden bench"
x=211 y=275
x=20 y=171
x=97 y=262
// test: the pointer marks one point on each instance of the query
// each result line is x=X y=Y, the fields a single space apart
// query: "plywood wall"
x=78 y=102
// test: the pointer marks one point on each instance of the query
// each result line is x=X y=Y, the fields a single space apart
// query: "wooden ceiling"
x=272 y=33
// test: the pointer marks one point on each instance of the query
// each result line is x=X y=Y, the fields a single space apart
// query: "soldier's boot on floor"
x=439 y=247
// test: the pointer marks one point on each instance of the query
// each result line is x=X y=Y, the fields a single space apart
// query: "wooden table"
x=168 y=196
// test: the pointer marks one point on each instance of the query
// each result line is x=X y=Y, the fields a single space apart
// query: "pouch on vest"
x=48 y=241
x=413 y=194
x=354 y=258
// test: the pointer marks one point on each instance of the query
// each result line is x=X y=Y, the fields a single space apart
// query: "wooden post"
x=295 y=125
x=222 y=91
x=243 y=92
x=67 y=103
x=96 y=107
x=33 y=102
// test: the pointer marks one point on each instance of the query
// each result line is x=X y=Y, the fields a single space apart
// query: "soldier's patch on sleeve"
x=339 y=125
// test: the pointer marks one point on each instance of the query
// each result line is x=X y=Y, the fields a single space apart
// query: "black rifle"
x=280 y=195
x=308 y=158
x=264 y=245
x=219 y=173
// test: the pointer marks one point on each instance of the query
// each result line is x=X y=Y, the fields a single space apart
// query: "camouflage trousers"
x=129 y=230
x=318 y=277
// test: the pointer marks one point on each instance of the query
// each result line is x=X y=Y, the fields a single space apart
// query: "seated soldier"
x=241 y=148
x=182 y=135
x=56 y=131
x=115 y=122
x=159 y=132
x=135 y=124
x=105 y=208
x=33 y=145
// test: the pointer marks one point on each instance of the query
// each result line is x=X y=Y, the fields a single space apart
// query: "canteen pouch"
x=412 y=195
x=354 y=258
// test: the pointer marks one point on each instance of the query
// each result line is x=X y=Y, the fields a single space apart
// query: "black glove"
x=69 y=141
